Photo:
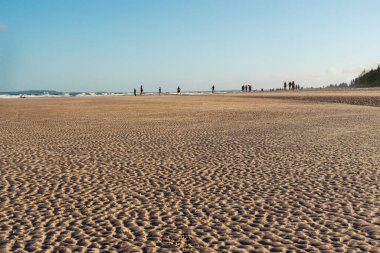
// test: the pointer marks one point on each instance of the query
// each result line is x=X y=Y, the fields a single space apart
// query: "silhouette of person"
x=293 y=85
x=159 y=91
x=178 y=90
x=141 y=90
x=134 y=92
x=284 y=85
x=242 y=88
x=213 y=89
x=246 y=88
x=250 y=88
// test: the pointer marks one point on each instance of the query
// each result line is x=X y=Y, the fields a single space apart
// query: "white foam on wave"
x=80 y=95
x=5 y=96
x=93 y=94
x=8 y=96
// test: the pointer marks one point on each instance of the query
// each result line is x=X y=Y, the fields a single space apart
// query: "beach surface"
x=257 y=172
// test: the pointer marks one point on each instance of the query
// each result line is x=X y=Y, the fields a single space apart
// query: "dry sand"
x=220 y=173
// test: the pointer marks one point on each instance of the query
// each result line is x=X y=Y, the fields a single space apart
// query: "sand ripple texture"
x=188 y=174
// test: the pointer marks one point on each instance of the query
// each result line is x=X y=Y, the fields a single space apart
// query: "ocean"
x=55 y=94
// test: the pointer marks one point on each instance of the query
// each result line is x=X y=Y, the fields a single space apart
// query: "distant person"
x=135 y=92
x=141 y=90
x=213 y=89
x=293 y=85
x=246 y=88
x=284 y=85
x=242 y=88
x=159 y=91
x=178 y=90
x=249 y=88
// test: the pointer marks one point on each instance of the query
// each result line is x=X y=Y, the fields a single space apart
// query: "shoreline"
x=363 y=97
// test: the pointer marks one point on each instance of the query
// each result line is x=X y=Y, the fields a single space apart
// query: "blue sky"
x=116 y=45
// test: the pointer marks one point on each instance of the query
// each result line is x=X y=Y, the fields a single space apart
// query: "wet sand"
x=213 y=173
x=368 y=97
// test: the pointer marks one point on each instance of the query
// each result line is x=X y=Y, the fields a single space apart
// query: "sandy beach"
x=258 y=172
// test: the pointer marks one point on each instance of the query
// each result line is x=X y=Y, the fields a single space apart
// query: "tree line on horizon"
x=367 y=79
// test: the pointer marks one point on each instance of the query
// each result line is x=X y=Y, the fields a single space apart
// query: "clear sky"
x=116 y=45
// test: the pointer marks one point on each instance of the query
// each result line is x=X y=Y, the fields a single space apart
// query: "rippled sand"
x=220 y=173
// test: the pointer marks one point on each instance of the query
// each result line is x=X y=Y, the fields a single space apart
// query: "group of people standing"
x=246 y=88
x=291 y=86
